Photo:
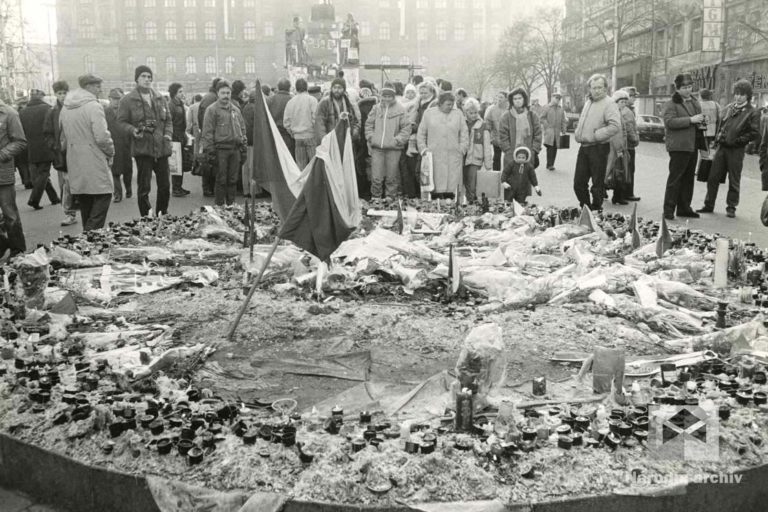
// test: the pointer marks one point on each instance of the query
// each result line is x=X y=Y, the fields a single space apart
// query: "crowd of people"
x=395 y=131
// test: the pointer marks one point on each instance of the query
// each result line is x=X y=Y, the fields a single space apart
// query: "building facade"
x=193 y=41
x=662 y=38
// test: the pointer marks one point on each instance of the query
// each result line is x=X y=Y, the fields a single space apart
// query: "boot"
x=117 y=195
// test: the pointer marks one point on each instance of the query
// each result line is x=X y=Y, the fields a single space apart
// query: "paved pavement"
x=11 y=501
x=652 y=163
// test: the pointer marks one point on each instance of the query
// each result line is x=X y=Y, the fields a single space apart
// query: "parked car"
x=650 y=128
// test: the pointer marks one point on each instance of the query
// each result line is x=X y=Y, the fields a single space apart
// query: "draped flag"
x=633 y=229
x=664 y=241
x=273 y=166
x=327 y=209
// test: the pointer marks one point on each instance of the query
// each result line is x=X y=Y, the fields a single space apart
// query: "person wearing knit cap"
x=39 y=156
x=386 y=131
x=144 y=115
x=617 y=161
x=519 y=176
x=334 y=107
x=633 y=140
x=209 y=172
x=52 y=133
x=122 y=167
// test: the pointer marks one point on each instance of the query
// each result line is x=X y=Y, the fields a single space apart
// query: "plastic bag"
x=482 y=364
x=34 y=275
x=427 y=173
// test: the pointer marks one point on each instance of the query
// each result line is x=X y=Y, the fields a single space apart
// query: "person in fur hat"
x=333 y=107
x=519 y=176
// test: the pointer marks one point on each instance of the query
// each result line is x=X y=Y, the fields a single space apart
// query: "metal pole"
x=653 y=46
x=247 y=300
x=614 y=80
x=50 y=44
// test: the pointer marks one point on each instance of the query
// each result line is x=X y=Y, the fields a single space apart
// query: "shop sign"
x=712 y=34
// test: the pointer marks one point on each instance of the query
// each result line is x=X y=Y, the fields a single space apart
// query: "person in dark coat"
x=12 y=143
x=276 y=105
x=179 y=122
x=363 y=164
x=209 y=171
x=122 y=167
x=682 y=118
x=739 y=127
x=143 y=114
x=39 y=156
x=519 y=176
x=21 y=161
x=52 y=134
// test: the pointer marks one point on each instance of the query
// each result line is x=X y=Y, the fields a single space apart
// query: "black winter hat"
x=142 y=69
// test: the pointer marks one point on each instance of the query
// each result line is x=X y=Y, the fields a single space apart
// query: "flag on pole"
x=273 y=166
x=633 y=228
x=664 y=241
x=327 y=209
x=454 y=273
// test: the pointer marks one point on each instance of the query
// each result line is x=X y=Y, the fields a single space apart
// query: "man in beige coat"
x=554 y=124
x=89 y=149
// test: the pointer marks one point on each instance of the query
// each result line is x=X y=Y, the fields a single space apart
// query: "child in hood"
x=518 y=176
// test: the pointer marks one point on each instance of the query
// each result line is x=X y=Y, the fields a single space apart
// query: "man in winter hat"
x=336 y=106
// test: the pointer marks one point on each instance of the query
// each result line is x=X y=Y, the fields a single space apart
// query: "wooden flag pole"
x=255 y=283
x=252 y=223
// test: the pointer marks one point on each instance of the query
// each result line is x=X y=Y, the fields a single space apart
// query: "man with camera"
x=224 y=143
x=144 y=115
x=739 y=127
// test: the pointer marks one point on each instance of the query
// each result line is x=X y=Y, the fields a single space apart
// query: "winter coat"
x=739 y=127
x=134 y=112
x=299 y=116
x=629 y=122
x=618 y=145
x=508 y=135
x=679 y=132
x=52 y=132
x=327 y=115
x=447 y=138
x=553 y=124
x=599 y=121
x=492 y=118
x=520 y=178
x=87 y=142
x=178 y=120
x=12 y=142
x=122 y=140
x=248 y=113
x=387 y=127
x=33 y=120
x=276 y=105
x=480 y=151
x=209 y=99
x=223 y=127
x=365 y=105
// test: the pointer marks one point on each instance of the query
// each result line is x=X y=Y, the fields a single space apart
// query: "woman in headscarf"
x=519 y=127
x=409 y=175
x=617 y=152
x=426 y=98
x=443 y=133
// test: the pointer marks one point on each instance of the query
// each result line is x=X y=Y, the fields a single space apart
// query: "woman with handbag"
x=616 y=171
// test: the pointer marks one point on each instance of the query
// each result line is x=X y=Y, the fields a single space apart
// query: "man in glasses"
x=682 y=122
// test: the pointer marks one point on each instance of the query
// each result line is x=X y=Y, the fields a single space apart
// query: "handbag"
x=704 y=170
x=565 y=141
x=616 y=177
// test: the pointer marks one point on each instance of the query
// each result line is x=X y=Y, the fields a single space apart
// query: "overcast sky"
x=36 y=14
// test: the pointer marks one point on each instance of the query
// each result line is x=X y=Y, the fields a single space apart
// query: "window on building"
x=151 y=62
x=269 y=29
x=659 y=45
x=150 y=31
x=190 y=3
x=87 y=29
x=209 y=3
x=384 y=31
x=365 y=28
x=477 y=31
x=249 y=31
x=459 y=32
x=249 y=3
x=170 y=3
x=384 y=3
x=424 y=60
x=495 y=4
x=386 y=60
x=190 y=65
x=422 y=4
x=441 y=30
x=250 y=65
x=421 y=31
x=405 y=60
x=170 y=30
x=190 y=31
x=209 y=30
x=90 y=66
x=696 y=34
x=460 y=4
x=441 y=4
x=149 y=3
x=229 y=65
x=210 y=65
x=129 y=4
x=130 y=31
x=676 y=39
x=477 y=4
x=170 y=66
x=130 y=64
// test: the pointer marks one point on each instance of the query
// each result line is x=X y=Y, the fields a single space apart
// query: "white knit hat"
x=522 y=149
x=620 y=95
